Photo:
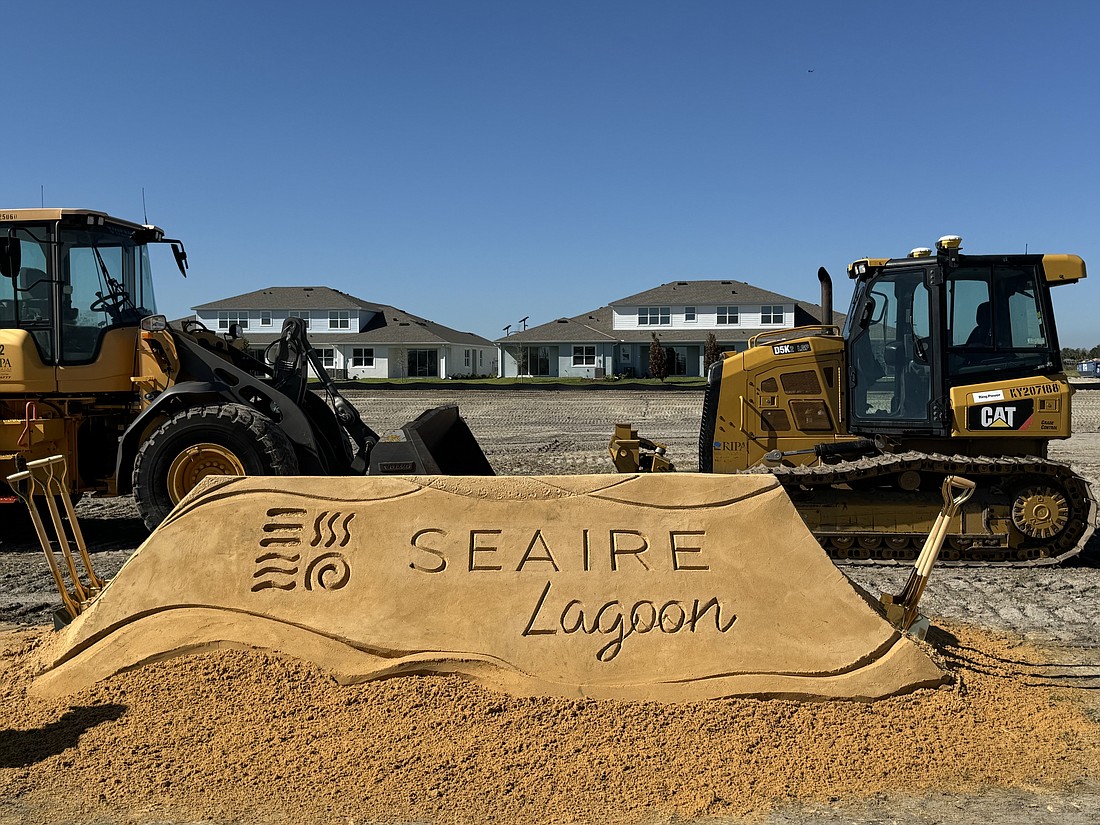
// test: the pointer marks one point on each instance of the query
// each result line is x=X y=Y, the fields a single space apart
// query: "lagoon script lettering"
x=483 y=551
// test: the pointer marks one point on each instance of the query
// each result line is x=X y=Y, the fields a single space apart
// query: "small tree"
x=658 y=359
x=523 y=360
x=711 y=352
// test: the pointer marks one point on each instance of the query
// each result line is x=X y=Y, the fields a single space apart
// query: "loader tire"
x=221 y=439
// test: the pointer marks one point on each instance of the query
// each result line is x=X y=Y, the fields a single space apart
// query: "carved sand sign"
x=665 y=587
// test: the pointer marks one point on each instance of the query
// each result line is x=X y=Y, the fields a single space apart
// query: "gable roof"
x=697 y=293
x=391 y=325
x=291 y=297
x=588 y=326
x=387 y=324
x=598 y=325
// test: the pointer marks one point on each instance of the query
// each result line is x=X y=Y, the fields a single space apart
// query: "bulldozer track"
x=1001 y=479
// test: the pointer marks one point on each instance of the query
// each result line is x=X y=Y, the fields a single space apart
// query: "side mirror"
x=11 y=257
x=868 y=311
x=180 y=254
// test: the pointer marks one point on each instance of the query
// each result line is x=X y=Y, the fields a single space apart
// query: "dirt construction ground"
x=252 y=737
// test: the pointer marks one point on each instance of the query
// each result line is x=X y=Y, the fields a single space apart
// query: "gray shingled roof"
x=393 y=325
x=590 y=326
x=290 y=297
x=688 y=293
x=389 y=325
x=596 y=326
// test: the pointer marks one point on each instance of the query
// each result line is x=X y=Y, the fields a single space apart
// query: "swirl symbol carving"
x=329 y=571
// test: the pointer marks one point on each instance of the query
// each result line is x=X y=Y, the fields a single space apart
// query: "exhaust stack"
x=826 y=295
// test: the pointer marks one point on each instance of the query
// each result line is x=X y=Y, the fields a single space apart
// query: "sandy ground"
x=1052 y=611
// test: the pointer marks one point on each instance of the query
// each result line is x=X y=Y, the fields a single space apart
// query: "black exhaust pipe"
x=826 y=295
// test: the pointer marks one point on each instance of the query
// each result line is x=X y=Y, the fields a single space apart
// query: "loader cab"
x=919 y=326
x=69 y=279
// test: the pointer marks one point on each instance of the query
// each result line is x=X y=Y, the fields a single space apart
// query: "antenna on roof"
x=42 y=195
x=523 y=321
x=144 y=211
x=507 y=328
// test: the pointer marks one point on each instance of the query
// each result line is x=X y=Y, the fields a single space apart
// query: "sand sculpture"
x=648 y=587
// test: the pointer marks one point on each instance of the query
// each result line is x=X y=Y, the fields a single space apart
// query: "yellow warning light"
x=949 y=242
x=920 y=252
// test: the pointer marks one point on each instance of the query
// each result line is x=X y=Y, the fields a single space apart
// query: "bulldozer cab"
x=922 y=325
x=888 y=333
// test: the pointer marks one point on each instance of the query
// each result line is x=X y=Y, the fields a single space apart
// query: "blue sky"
x=478 y=162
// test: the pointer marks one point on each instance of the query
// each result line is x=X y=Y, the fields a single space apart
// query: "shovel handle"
x=956 y=492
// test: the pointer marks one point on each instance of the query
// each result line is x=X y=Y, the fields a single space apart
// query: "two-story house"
x=354 y=338
x=615 y=339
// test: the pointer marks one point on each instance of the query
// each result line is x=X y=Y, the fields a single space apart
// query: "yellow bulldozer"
x=947 y=364
x=90 y=371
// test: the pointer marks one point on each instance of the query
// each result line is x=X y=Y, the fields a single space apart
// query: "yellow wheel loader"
x=947 y=364
x=91 y=372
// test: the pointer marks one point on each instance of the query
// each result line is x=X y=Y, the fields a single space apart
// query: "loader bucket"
x=436 y=442
x=643 y=587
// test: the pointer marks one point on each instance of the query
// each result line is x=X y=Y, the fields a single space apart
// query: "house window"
x=533 y=361
x=676 y=360
x=327 y=356
x=654 y=316
x=233 y=316
x=771 y=315
x=423 y=363
x=339 y=319
x=362 y=357
x=265 y=318
x=728 y=316
x=469 y=357
x=689 y=314
x=300 y=313
x=584 y=356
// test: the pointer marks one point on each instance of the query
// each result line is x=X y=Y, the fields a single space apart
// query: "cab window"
x=105 y=284
x=996 y=323
x=25 y=301
x=889 y=347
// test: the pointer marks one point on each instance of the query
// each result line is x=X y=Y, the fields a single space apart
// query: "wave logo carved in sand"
x=286 y=527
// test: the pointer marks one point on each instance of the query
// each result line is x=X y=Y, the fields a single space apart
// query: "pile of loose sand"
x=251 y=737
